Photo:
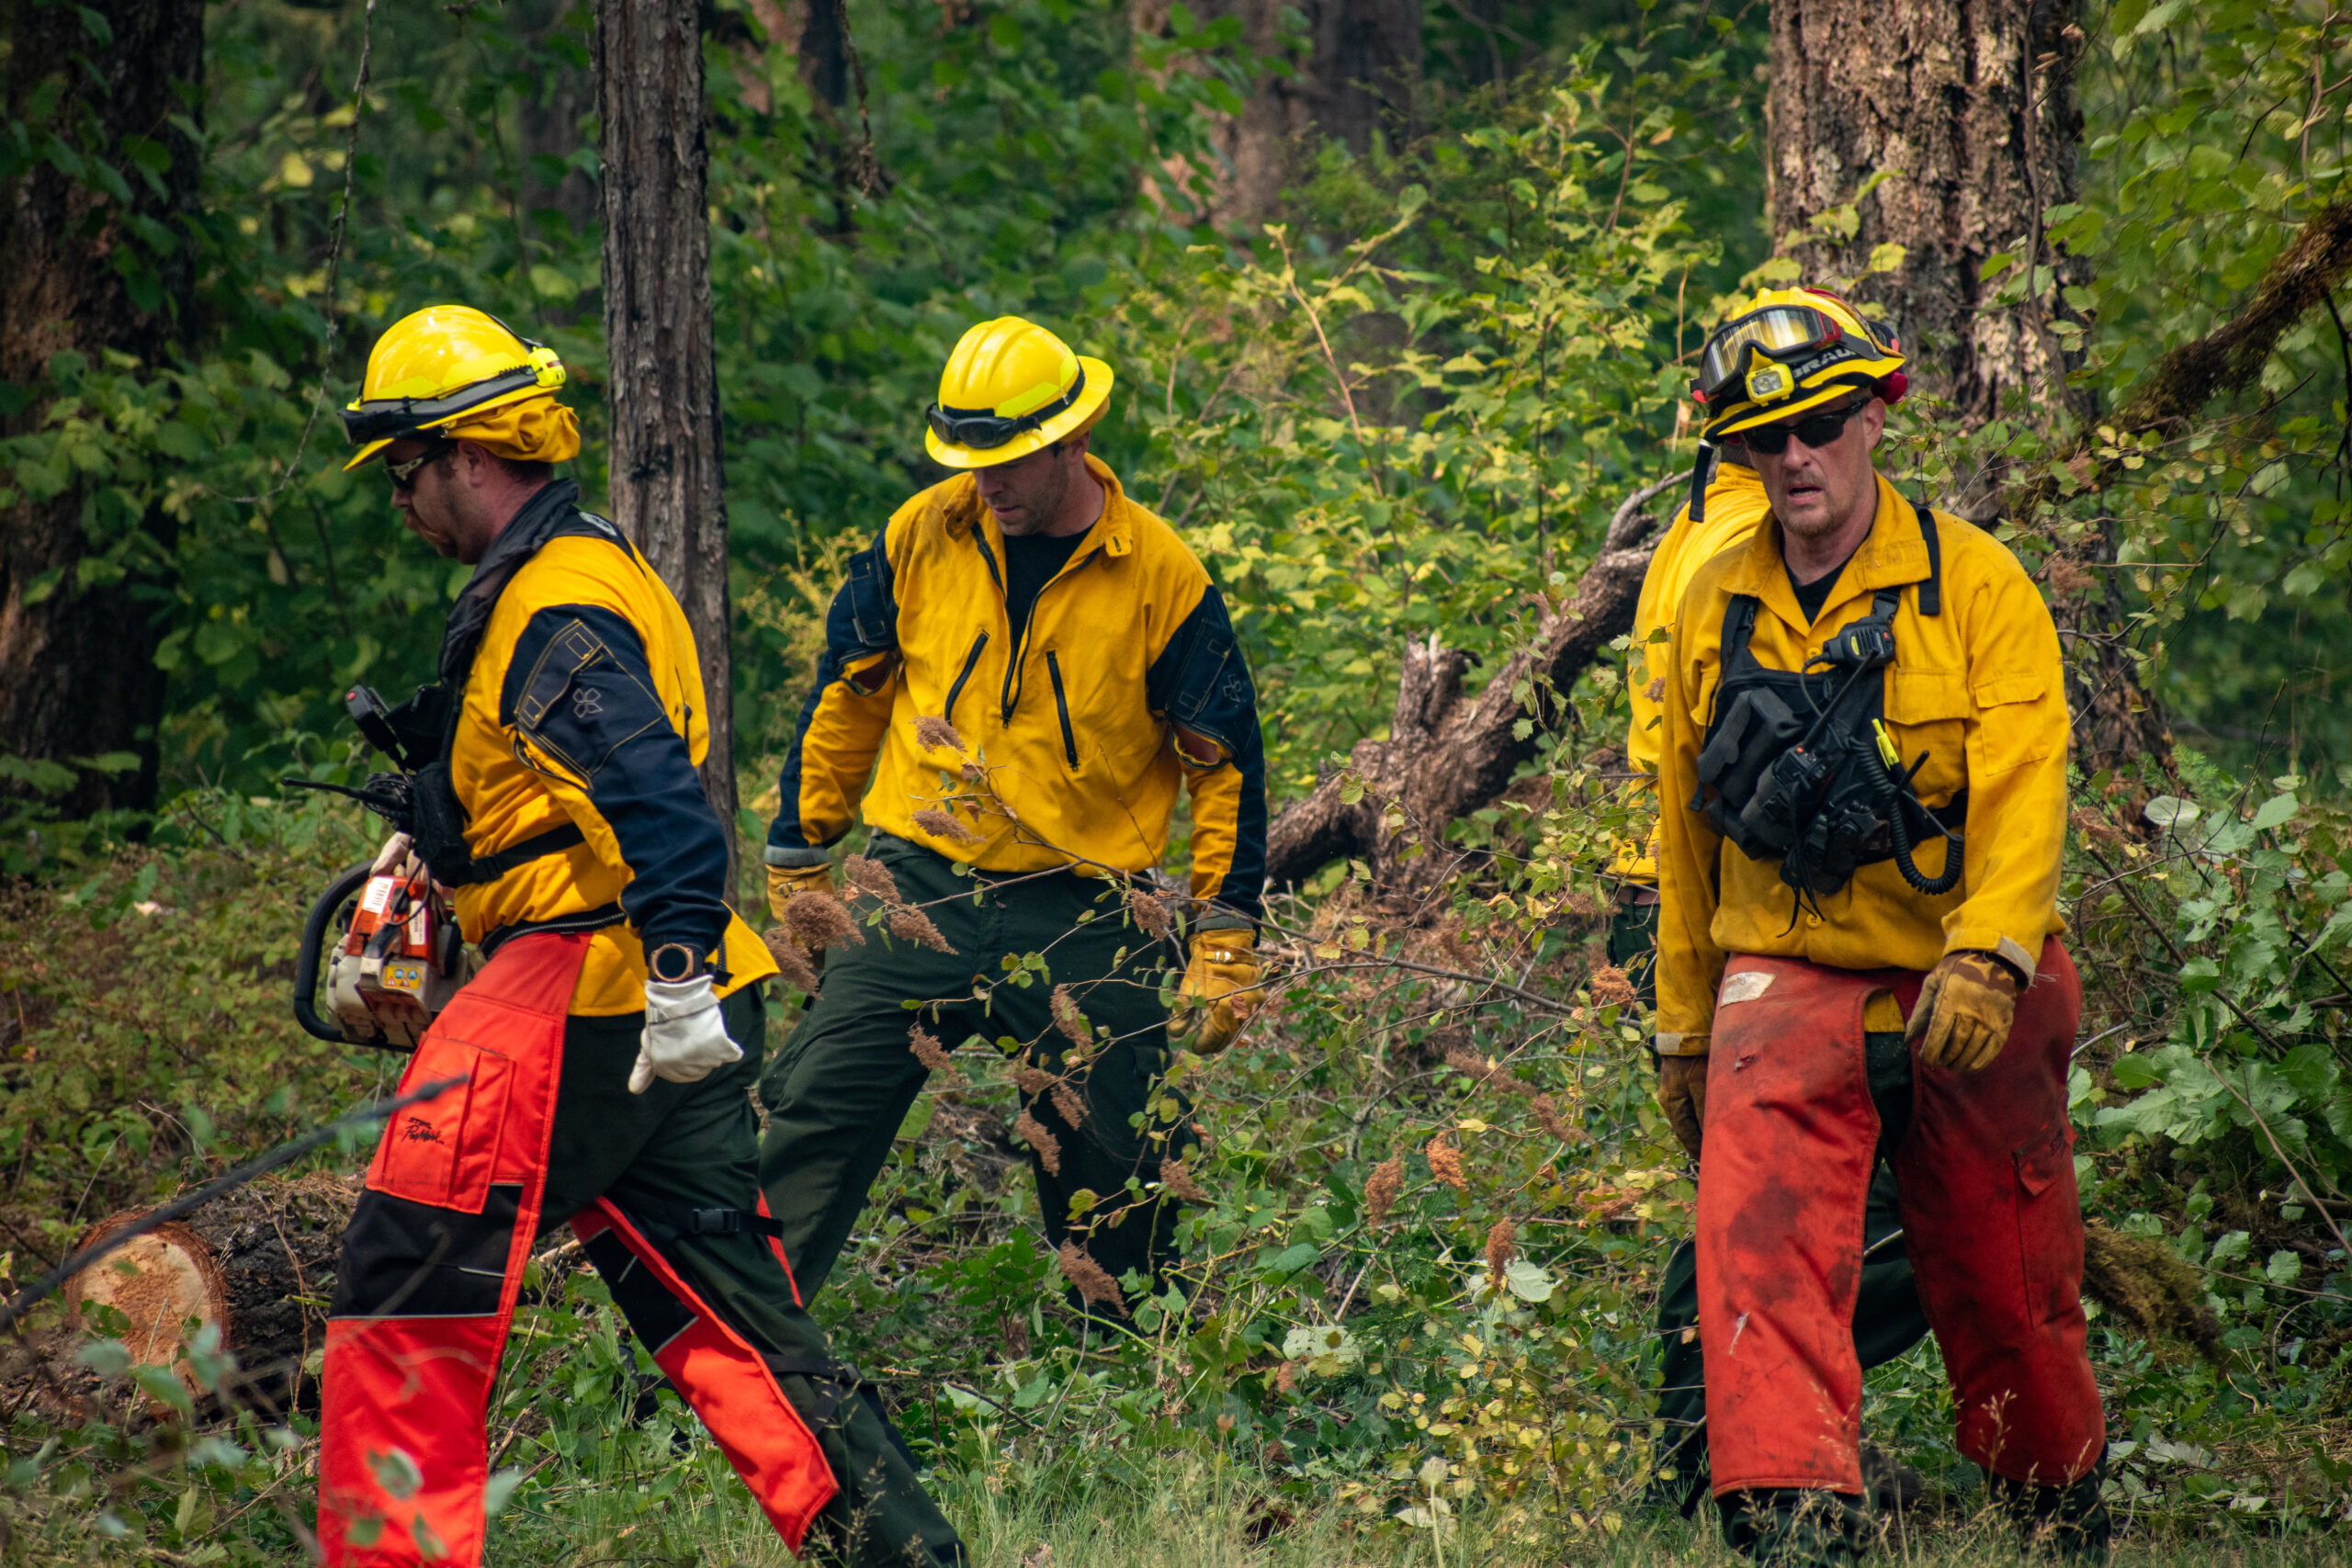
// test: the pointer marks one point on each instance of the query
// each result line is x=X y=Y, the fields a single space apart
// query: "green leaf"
x=43 y=585
x=2275 y=811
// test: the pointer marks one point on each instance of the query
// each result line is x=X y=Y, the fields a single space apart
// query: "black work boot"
x=2069 y=1522
x=1783 y=1527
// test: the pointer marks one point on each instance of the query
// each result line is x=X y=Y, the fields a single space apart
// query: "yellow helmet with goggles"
x=1788 y=351
x=451 y=372
x=1012 y=387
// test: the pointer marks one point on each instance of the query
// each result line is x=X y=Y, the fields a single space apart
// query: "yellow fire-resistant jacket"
x=1126 y=682
x=1736 y=505
x=1978 y=687
x=585 y=705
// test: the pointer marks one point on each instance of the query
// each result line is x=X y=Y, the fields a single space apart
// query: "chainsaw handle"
x=306 y=964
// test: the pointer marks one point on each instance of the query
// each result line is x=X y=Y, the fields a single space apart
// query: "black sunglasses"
x=979 y=429
x=404 y=474
x=1815 y=431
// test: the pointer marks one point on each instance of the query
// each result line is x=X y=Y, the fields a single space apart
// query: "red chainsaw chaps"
x=733 y=1393
x=403 y=1441
x=1991 y=1225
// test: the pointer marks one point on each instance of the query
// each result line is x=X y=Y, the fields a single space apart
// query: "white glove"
x=686 y=1040
x=394 y=857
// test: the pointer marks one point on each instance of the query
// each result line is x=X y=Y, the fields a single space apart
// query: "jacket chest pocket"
x=1093 y=715
x=1927 y=710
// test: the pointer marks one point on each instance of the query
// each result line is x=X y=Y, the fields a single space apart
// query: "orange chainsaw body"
x=399 y=961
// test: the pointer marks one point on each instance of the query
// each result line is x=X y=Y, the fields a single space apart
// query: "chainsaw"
x=397 y=955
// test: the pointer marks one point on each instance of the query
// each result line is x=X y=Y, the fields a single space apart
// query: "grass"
x=1188 y=1512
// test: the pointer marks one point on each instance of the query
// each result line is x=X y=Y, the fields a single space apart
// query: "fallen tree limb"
x=1449 y=754
x=2115 y=719
x=188 y=1202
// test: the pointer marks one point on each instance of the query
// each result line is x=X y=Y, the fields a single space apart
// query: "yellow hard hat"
x=439 y=366
x=1789 y=350
x=1012 y=387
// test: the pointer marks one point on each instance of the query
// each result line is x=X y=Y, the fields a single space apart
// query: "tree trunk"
x=78 y=627
x=1359 y=75
x=1968 y=106
x=668 y=486
x=1447 y=754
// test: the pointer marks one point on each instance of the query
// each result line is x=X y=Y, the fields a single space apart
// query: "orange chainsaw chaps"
x=732 y=1389
x=1991 y=1225
x=433 y=1260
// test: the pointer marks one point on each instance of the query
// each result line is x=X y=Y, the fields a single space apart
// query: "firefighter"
x=1021 y=672
x=1863 y=789
x=609 y=1042
x=1727 y=502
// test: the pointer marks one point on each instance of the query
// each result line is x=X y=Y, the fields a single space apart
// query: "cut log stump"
x=259 y=1262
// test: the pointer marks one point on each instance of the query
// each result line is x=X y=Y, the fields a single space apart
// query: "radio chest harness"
x=1799 y=766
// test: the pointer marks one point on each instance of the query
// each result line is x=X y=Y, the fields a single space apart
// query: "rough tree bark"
x=1968 y=110
x=1358 y=74
x=668 y=487
x=1967 y=106
x=77 y=667
x=1448 y=753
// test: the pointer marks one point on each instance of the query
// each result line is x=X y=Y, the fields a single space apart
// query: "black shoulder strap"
x=1931 y=593
x=1740 y=625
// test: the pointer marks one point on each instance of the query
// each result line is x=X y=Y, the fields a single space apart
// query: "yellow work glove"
x=1682 y=1095
x=786 y=881
x=1224 y=972
x=1965 y=1008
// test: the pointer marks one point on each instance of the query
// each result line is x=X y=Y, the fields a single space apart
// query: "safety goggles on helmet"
x=410 y=419
x=1782 y=336
x=980 y=429
x=1815 y=430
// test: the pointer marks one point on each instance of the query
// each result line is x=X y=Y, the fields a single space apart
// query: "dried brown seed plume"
x=1150 y=912
x=932 y=1054
x=1548 y=1117
x=1049 y=1148
x=1083 y=1271
x=1503 y=1246
x=1032 y=1078
x=911 y=924
x=1068 y=1102
x=935 y=732
x=940 y=825
x=1445 y=1163
x=873 y=877
x=819 y=920
x=1611 y=987
x=1177 y=1176
x=1286 y=1377
x=791 y=958
x=1068 y=1020
x=1380 y=1190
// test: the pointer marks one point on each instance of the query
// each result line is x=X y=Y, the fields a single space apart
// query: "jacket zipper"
x=1013 y=682
x=970 y=659
x=1061 y=705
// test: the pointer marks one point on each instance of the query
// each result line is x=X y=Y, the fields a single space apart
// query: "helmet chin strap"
x=1702 y=473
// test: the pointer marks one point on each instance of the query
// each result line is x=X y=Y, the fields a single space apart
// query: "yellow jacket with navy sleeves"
x=583 y=705
x=1978 y=687
x=1125 y=685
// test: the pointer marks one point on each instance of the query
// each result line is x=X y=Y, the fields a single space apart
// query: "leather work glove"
x=1223 y=972
x=1966 y=1006
x=1682 y=1095
x=685 y=1041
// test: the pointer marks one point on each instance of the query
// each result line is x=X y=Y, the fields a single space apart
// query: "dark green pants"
x=1888 y=1319
x=695 y=1146
x=841 y=1085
